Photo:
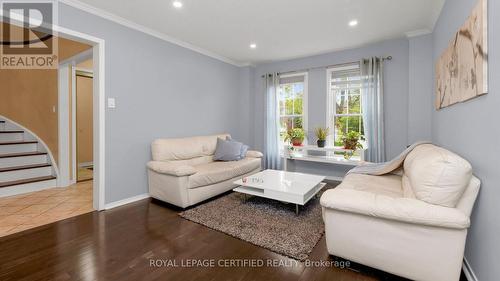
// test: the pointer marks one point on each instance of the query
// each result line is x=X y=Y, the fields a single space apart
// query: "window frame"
x=331 y=100
x=304 y=102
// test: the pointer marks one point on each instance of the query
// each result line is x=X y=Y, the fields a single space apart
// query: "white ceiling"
x=282 y=29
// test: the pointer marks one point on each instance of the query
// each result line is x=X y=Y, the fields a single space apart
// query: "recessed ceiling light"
x=253 y=46
x=177 y=4
x=353 y=23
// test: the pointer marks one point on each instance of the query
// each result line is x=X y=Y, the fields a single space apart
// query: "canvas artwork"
x=462 y=69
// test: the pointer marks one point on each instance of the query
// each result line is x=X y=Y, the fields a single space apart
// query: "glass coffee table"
x=290 y=187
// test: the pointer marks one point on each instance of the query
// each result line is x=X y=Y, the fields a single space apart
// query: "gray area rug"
x=263 y=222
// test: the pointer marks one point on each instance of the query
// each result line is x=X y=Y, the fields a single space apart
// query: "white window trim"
x=305 y=103
x=332 y=112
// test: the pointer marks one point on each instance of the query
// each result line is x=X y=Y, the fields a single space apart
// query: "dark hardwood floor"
x=119 y=244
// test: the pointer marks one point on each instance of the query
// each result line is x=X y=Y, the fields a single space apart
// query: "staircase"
x=25 y=164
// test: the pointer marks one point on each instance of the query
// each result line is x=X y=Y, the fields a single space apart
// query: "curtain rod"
x=327 y=66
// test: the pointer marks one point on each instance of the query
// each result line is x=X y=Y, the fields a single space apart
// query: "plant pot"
x=321 y=143
x=351 y=145
x=297 y=142
x=348 y=154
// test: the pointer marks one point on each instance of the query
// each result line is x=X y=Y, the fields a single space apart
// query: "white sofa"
x=183 y=172
x=412 y=222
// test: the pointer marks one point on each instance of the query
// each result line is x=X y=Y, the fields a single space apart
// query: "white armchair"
x=413 y=225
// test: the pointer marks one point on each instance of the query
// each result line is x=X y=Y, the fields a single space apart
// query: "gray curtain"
x=372 y=91
x=272 y=155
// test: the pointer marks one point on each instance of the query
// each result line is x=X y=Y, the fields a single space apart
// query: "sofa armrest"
x=254 y=154
x=399 y=209
x=173 y=169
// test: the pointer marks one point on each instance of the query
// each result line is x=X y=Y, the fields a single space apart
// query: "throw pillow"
x=227 y=150
x=244 y=148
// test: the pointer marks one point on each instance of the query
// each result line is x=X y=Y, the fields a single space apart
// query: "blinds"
x=292 y=79
x=347 y=76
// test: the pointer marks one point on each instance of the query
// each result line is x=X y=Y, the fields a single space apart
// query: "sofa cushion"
x=254 y=154
x=195 y=161
x=436 y=175
x=399 y=209
x=169 y=168
x=184 y=148
x=215 y=172
x=388 y=185
x=407 y=189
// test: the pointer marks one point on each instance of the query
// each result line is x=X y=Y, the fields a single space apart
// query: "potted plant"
x=295 y=136
x=321 y=134
x=352 y=143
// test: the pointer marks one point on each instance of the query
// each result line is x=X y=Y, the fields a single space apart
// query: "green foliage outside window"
x=291 y=108
x=349 y=104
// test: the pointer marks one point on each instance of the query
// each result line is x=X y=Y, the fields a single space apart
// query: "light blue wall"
x=396 y=95
x=471 y=129
x=245 y=105
x=161 y=90
x=420 y=85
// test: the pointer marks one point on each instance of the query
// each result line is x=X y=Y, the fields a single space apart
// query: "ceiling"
x=282 y=29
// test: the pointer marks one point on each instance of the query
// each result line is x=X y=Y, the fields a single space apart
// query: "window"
x=344 y=102
x=292 y=99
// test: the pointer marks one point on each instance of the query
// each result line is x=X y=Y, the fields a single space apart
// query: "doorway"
x=98 y=60
x=67 y=133
x=83 y=124
x=42 y=204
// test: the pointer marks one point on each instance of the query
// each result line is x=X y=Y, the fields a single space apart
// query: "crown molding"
x=418 y=32
x=130 y=24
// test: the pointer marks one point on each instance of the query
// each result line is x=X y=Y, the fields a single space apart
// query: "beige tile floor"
x=25 y=211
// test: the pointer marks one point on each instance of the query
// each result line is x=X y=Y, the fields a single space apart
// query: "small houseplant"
x=295 y=136
x=321 y=134
x=352 y=141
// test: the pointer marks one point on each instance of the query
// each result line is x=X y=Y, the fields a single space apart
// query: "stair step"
x=23 y=159
x=34 y=153
x=19 y=147
x=25 y=181
x=11 y=132
x=14 y=175
x=7 y=135
x=24 y=167
x=17 y=142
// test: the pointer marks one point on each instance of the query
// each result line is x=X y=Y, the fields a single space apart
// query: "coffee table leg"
x=297 y=209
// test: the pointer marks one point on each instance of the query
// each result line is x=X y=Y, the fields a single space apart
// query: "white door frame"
x=74 y=144
x=65 y=179
x=99 y=109
x=64 y=157
x=97 y=53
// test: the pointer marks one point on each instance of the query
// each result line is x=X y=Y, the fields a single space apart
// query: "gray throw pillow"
x=244 y=148
x=227 y=150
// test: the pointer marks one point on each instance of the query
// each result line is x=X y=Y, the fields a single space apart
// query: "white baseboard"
x=469 y=273
x=126 y=201
x=85 y=164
